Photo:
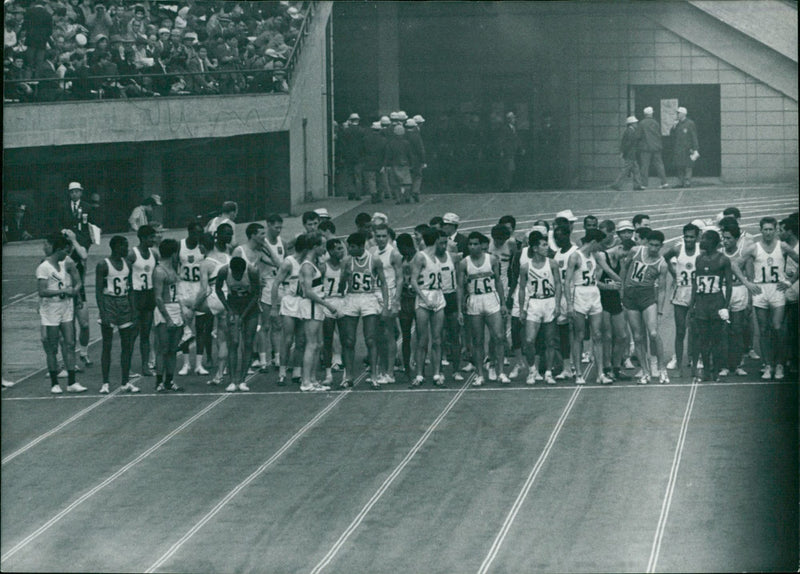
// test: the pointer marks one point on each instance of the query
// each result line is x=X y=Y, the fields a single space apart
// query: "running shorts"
x=740 y=298
x=144 y=301
x=174 y=312
x=639 y=298
x=611 y=301
x=541 y=310
x=337 y=302
x=362 y=305
x=682 y=295
x=770 y=297
x=450 y=303
x=436 y=298
x=53 y=311
x=485 y=304
x=118 y=311
x=587 y=301
x=290 y=306
x=311 y=310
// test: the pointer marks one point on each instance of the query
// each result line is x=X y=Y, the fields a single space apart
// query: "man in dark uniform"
x=374 y=151
x=627 y=148
x=508 y=146
x=650 y=148
x=685 y=147
x=351 y=141
x=709 y=305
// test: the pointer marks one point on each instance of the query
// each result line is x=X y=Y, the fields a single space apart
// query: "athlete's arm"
x=158 y=286
x=306 y=281
x=220 y=283
x=77 y=282
x=377 y=271
x=100 y=274
x=513 y=267
x=79 y=249
x=498 y=283
x=662 y=287
x=255 y=291
x=670 y=254
x=417 y=265
x=344 y=275
x=459 y=291
x=283 y=272
x=556 y=279
x=603 y=264
x=572 y=265
x=205 y=269
x=130 y=258
x=789 y=252
x=397 y=263
x=736 y=270
x=727 y=276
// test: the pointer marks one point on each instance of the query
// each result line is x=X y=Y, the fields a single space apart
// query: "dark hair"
x=193 y=225
x=484 y=240
x=593 y=235
x=534 y=237
x=790 y=224
x=607 y=226
x=145 y=231
x=310 y=216
x=392 y=233
x=561 y=222
x=331 y=244
x=436 y=220
x=229 y=207
x=500 y=232
x=220 y=226
x=734 y=211
x=362 y=219
x=421 y=228
x=149 y=201
x=711 y=236
x=58 y=240
x=767 y=220
x=312 y=240
x=642 y=232
x=207 y=241
x=561 y=230
x=117 y=241
x=358 y=239
x=659 y=236
x=168 y=248
x=380 y=227
x=237 y=265
x=731 y=226
x=274 y=218
x=588 y=218
x=301 y=243
x=508 y=219
x=431 y=235
x=405 y=242
x=691 y=227
x=476 y=235
x=252 y=229
x=543 y=223
x=327 y=225
x=637 y=219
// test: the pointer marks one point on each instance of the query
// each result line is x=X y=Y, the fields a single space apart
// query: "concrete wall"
x=759 y=129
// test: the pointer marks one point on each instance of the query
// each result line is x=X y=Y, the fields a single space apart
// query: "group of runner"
x=564 y=300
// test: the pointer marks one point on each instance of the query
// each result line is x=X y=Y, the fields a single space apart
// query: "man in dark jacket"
x=508 y=146
x=650 y=148
x=419 y=163
x=630 y=140
x=351 y=141
x=399 y=161
x=685 y=147
x=374 y=152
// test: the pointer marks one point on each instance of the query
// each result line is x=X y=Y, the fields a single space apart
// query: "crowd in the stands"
x=90 y=49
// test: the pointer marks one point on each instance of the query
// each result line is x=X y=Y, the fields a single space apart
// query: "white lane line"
x=673 y=478
x=43 y=369
x=242 y=485
x=55 y=519
x=389 y=480
x=56 y=429
x=523 y=493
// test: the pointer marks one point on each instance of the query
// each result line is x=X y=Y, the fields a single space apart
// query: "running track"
x=624 y=478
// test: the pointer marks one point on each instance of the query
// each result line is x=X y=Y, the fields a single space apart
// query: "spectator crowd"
x=90 y=49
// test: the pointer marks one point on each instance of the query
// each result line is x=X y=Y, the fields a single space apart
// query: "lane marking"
x=389 y=480
x=523 y=493
x=43 y=369
x=673 y=479
x=57 y=428
x=255 y=474
x=55 y=519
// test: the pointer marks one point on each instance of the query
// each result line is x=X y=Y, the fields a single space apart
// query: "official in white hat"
x=650 y=149
x=684 y=136
x=322 y=212
x=456 y=242
x=568 y=215
x=627 y=148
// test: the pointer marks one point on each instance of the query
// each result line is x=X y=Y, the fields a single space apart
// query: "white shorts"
x=587 y=301
x=561 y=313
x=54 y=311
x=485 y=304
x=266 y=291
x=740 y=297
x=187 y=292
x=392 y=294
x=792 y=293
x=682 y=295
x=290 y=306
x=174 y=312
x=541 y=310
x=337 y=302
x=435 y=296
x=362 y=305
x=214 y=304
x=770 y=297
x=309 y=310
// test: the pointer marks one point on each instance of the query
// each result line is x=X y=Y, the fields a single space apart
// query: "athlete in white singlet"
x=386 y=337
x=681 y=265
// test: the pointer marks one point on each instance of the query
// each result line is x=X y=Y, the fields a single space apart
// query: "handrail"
x=301 y=35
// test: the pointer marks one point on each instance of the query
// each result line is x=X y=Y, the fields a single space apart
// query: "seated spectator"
x=49 y=87
x=78 y=75
x=15 y=225
x=138 y=25
x=21 y=91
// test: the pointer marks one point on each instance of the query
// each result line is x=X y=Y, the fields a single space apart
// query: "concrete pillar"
x=388 y=58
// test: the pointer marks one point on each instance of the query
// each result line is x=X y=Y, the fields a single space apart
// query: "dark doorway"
x=702 y=102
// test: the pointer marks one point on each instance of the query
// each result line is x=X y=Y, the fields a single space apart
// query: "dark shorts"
x=706 y=307
x=118 y=311
x=639 y=298
x=144 y=301
x=408 y=305
x=611 y=301
x=450 y=303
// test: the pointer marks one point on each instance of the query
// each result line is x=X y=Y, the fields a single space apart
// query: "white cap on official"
x=631 y=120
x=451 y=218
x=567 y=214
x=419 y=119
x=322 y=212
x=648 y=111
x=379 y=217
x=624 y=225
x=75 y=185
x=682 y=110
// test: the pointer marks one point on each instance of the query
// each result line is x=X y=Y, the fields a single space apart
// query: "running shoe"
x=148 y=372
x=76 y=388
x=346 y=384
x=663 y=186
x=200 y=370
x=374 y=384
x=62 y=374
x=724 y=373
x=663 y=378
x=753 y=355
x=468 y=368
x=700 y=363
x=7 y=384
x=673 y=363
x=504 y=379
x=579 y=380
x=563 y=375
x=445 y=362
x=320 y=386
x=388 y=380
x=458 y=376
x=438 y=380
x=604 y=379
x=231 y=388
x=514 y=372
x=104 y=390
x=585 y=357
x=531 y=380
x=492 y=374
x=767 y=373
x=215 y=381
x=619 y=375
x=243 y=387
x=477 y=382
x=644 y=379
x=779 y=372
x=538 y=375
x=417 y=382
x=160 y=388
x=184 y=370
x=130 y=387
x=628 y=364
x=174 y=387
x=740 y=372
x=282 y=381
x=548 y=378
x=328 y=380
x=309 y=387
x=56 y=389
